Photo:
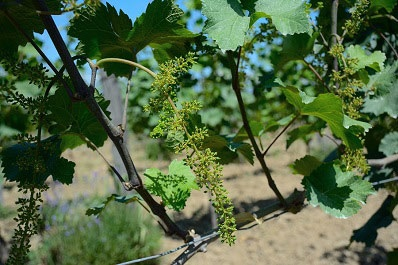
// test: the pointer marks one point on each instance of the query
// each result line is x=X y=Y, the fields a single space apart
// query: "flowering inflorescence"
x=28 y=222
x=185 y=133
x=358 y=14
x=349 y=87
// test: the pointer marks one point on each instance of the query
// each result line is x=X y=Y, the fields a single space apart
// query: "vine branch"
x=114 y=133
x=236 y=87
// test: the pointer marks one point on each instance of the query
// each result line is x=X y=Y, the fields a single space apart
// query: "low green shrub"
x=121 y=233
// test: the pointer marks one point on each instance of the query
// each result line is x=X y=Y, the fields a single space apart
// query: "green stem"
x=279 y=135
x=317 y=75
x=124 y=61
x=385 y=15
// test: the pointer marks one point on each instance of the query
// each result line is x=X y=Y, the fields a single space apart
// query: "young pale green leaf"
x=373 y=60
x=29 y=163
x=306 y=165
x=327 y=107
x=105 y=33
x=338 y=193
x=383 y=217
x=383 y=104
x=75 y=120
x=226 y=23
x=389 y=144
x=175 y=187
x=288 y=16
x=26 y=17
x=96 y=210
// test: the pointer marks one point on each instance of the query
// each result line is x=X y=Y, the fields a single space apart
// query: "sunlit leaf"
x=288 y=16
x=175 y=187
x=373 y=60
x=226 y=23
x=329 y=108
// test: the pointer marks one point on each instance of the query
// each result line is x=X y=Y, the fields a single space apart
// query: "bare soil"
x=309 y=237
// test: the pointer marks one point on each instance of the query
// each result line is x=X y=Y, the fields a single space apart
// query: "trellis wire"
x=195 y=241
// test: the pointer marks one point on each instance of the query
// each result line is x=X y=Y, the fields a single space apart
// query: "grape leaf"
x=96 y=210
x=382 y=81
x=379 y=4
x=386 y=103
x=175 y=187
x=219 y=144
x=105 y=33
x=373 y=60
x=227 y=148
x=295 y=47
x=75 y=120
x=338 y=193
x=383 y=217
x=327 y=107
x=389 y=144
x=288 y=16
x=26 y=17
x=306 y=165
x=349 y=123
x=29 y=163
x=226 y=23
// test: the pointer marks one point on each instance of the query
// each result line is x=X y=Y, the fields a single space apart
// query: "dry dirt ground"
x=309 y=237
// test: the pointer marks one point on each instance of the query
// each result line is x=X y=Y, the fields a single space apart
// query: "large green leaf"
x=26 y=17
x=389 y=144
x=175 y=187
x=226 y=23
x=383 y=217
x=327 y=107
x=337 y=193
x=30 y=163
x=74 y=121
x=288 y=16
x=105 y=33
